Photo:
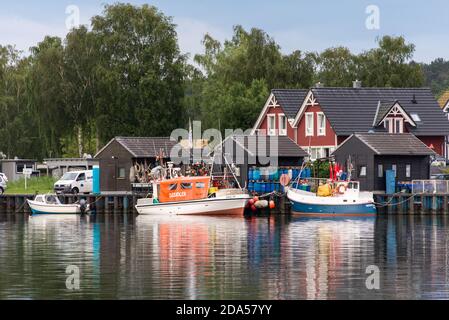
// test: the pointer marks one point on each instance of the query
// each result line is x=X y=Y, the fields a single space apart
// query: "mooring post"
x=116 y=204
x=434 y=203
x=445 y=204
x=106 y=204
x=400 y=206
x=125 y=204
x=411 y=204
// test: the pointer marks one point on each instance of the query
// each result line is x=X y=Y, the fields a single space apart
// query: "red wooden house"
x=326 y=117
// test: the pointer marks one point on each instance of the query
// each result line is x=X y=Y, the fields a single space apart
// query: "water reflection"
x=223 y=258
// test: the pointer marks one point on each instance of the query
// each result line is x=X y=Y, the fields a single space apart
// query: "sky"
x=309 y=25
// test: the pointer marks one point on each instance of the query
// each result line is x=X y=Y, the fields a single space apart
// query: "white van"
x=3 y=184
x=75 y=182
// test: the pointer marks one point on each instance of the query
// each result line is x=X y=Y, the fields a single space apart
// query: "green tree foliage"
x=240 y=73
x=389 y=65
x=46 y=94
x=140 y=73
x=18 y=131
x=437 y=75
x=338 y=67
x=125 y=75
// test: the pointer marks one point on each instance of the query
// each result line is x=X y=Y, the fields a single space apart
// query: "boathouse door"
x=110 y=175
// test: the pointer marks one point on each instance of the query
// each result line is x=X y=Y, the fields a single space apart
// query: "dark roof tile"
x=352 y=110
x=290 y=100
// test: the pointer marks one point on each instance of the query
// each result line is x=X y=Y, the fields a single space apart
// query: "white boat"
x=189 y=196
x=50 y=204
x=347 y=200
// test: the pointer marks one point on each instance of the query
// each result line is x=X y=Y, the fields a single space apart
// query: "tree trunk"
x=80 y=142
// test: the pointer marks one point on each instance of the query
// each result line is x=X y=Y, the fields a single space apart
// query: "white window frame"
x=391 y=125
x=363 y=172
x=283 y=132
x=380 y=171
x=394 y=167
x=401 y=126
x=408 y=170
x=310 y=123
x=321 y=130
x=271 y=131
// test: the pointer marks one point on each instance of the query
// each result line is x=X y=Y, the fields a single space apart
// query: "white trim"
x=283 y=133
x=271 y=131
x=318 y=114
x=308 y=102
x=446 y=107
x=271 y=103
x=396 y=110
x=312 y=122
x=309 y=152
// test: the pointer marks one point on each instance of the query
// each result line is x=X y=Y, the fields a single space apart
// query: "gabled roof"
x=352 y=110
x=290 y=100
x=140 y=147
x=252 y=144
x=384 y=109
x=391 y=144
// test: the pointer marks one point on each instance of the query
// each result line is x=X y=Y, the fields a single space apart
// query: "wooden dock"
x=412 y=204
x=124 y=203
x=105 y=203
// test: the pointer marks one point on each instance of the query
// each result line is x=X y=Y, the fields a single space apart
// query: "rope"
x=389 y=204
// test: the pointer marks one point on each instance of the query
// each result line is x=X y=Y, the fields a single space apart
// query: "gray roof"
x=393 y=144
x=382 y=110
x=290 y=100
x=146 y=147
x=352 y=110
x=262 y=146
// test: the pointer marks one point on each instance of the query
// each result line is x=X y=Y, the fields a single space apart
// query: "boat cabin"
x=47 y=199
x=183 y=189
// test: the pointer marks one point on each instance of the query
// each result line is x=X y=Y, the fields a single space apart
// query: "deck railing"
x=430 y=187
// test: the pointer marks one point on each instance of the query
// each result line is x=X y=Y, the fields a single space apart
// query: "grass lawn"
x=34 y=185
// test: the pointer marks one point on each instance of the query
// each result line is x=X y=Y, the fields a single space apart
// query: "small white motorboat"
x=50 y=204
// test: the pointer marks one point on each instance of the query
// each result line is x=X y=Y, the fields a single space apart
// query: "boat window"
x=200 y=185
x=51 y=200
x=186 y=186
x=173 y=187
x=39 y=199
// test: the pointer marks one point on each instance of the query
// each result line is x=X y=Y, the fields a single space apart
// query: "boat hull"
x=365 y=209
x=41 y=208
x=235 y=206
x=306 y=203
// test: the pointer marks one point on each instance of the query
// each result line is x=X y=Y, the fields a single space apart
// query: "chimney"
x=319 y=85
x=357 y=84
x=414 y=101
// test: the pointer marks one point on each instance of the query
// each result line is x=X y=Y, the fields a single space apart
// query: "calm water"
x=223 y=258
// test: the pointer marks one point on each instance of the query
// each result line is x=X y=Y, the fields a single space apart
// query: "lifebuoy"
x=284 y=180
x=341 y=188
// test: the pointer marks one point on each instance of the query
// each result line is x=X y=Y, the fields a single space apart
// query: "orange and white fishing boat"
x=191 y=196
